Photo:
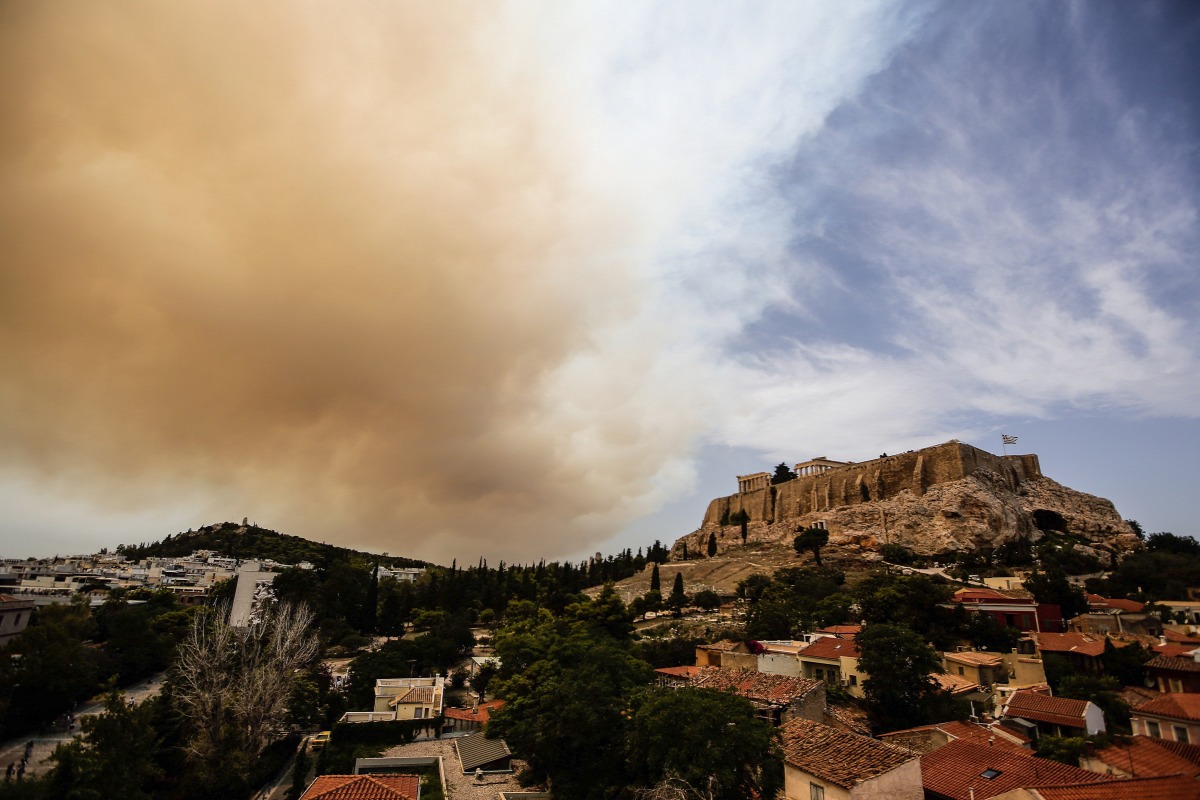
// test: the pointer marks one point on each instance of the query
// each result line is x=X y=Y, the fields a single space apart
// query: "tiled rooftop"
x=724 y=646
x=363 y=787
x=830 y=647
x=1143 y=756
x=954 y=684
x=842 y=758
x=957 y=729
x=480 y=713
x=752 y=685
x=1174 y=663
x=1180 y=705
x=1081 y=643
x=1130 y=606
x=975 y=659
x=1044 y=708
x=954 y=770
x=1174 y=787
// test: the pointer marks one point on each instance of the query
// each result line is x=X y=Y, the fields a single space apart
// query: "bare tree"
x=235 y=682
x=673 y=787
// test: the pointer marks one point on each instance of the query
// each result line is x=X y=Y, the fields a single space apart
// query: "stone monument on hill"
x=948 y=497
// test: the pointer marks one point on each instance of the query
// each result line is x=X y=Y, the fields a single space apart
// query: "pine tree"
x=655 y=586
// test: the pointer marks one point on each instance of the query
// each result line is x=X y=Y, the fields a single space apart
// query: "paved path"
x=45 y=743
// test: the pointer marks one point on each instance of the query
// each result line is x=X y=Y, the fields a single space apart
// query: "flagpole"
x=1004 y=445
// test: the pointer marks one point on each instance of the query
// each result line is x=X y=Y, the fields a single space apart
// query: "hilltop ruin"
x=951 y=496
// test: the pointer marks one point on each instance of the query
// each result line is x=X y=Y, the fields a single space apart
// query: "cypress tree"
x=655 y=586
x=712 y=544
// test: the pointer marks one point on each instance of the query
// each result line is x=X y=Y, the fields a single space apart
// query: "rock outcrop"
x=944 y=498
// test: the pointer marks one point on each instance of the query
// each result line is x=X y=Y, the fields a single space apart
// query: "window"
x=1152 y=729
x=854 y=680
x=1181 y=733
x=1176 y=685
x=816 y=792
x=990 y=774
x=960 y=670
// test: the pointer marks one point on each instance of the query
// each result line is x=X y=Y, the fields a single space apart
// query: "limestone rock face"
x=982 y=501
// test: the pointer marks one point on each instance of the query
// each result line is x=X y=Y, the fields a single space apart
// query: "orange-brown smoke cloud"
x=315 y=263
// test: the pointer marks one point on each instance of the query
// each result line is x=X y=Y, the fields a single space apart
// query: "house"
x=1174 y=717
x=14 y=617
x=1112 y=615
x=1053 y=716
x=477 y=753
x=1172 y=787
x=726 y=653
x=1011 y=610
x=779 y=657
x=1175 y=673
x=471 y=719
x=776 y=698
x=1142 y=757
x=678 y=676
x=403 y=698
x=822 y=763
x=927 y=738
x=967 y=770
x=830 y=659
x=364 y=787
x=1084 y=651
x=982 y=669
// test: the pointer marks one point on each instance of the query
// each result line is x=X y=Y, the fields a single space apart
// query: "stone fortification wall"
x=948 y=497
x=871 y=481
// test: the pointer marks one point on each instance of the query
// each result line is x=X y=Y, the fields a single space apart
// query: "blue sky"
x=525 y=281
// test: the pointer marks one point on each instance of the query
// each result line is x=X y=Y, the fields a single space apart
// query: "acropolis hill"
x=948 y=497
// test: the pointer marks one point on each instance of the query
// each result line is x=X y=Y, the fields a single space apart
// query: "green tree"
x=678 y=599
x=900 y=691
x=712 y=544
x=655 y=582
x=1067 y=749
x=783 y=473
x=707 y=599
x=566 y=683
x=722 y=746
x=114 y=757
x=1052 y=587
x=812 y=539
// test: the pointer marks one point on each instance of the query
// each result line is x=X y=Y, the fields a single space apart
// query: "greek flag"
x=1004 y=437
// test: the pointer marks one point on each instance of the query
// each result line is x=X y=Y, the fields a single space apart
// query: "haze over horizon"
x=536 y=280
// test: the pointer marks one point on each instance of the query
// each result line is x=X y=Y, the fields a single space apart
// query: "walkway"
x=45 y=743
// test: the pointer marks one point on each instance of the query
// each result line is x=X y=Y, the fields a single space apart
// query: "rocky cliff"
x=945 y=498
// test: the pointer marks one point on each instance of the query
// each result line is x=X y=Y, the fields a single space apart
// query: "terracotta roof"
x=724 y=646
x=1044 y=708
x=1174 y=650
x=842 y=758
x=1180 y=705
x=1132 y=606
x=952 y=771
x=477 y=750
x=1181 y=638
x=420 y=695
x=1142 y=756
x=679 y=672
x=830 y=647
x=481 y=713
x=363 y=787
x=1136 y=695
x=842 y=630
x=1081 y=643
x=759 y=686
x=957 y=729
x=1174 y=787
x=968 y=596
x=975 y=659
x=954 y=684
x=847 y=718
x=1174 y=663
